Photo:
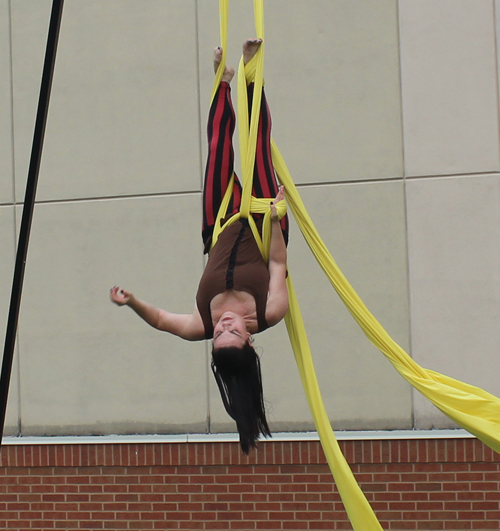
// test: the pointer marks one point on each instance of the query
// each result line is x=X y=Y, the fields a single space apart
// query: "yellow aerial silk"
x=471 y=407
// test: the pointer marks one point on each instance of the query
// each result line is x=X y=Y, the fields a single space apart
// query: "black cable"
x=29 y=203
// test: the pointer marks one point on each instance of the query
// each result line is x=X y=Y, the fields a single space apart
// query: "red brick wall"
x=411 y=484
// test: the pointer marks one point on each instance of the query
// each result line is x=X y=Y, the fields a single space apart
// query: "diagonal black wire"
x=29 y=203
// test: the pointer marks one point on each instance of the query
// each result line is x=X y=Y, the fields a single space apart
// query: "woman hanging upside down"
x=238 y=295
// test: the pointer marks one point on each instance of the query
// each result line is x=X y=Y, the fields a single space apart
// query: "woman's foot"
x=250 y=47
x=228 y=70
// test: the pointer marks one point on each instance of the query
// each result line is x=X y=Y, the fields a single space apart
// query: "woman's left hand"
x=119 y=296
x=279 y=197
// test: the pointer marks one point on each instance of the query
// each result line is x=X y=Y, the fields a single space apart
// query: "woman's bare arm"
x=186 y=326
x=277 y=302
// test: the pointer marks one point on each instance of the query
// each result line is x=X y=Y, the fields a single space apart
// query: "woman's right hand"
x=279 y=197
x=119 y=296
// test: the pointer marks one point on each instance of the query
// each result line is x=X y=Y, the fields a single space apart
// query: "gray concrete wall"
x=387 y=115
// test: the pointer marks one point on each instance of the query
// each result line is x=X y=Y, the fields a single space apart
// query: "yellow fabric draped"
x=472 y=408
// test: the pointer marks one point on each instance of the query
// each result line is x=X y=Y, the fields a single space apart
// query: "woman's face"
x=230 y=331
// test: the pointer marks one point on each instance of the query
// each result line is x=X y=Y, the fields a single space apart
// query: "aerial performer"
x=239 y=294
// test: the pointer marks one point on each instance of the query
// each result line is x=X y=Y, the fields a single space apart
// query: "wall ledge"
x=375 y=435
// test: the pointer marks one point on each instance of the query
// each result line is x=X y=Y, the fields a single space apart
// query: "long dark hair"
x=238 y=376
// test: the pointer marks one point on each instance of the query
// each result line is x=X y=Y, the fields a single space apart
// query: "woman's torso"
x=236 y=278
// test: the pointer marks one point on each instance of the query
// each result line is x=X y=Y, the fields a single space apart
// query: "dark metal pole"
x=29 y=203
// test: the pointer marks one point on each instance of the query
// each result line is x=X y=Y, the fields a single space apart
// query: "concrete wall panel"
x=454 y=243
x=363 y=226
x=7 y=246
x=87 y=365
x=6 y=157
x=332 y=80
x=30 y=23
x=449 y=87
x=124 y=111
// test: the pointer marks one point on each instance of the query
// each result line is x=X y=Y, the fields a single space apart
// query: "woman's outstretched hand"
x=119 y=296
x=279 y=197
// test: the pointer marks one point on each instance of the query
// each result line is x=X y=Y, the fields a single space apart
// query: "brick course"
x=438 y=484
